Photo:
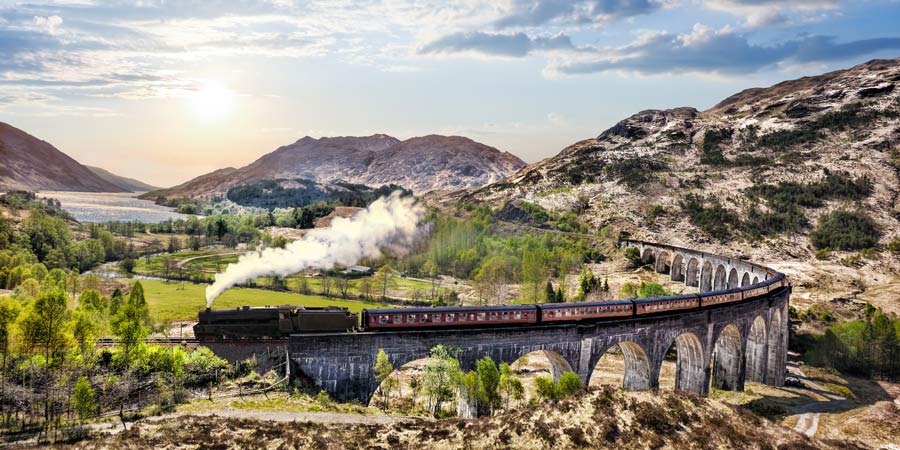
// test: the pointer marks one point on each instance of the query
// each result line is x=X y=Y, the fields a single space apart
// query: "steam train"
x=282 y=321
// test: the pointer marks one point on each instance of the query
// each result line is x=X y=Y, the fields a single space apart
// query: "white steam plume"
x=388 y=220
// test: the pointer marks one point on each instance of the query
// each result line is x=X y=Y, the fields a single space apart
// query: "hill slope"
x=28 y=163
x=422 y=164
x=128 y=184
x=817 y=132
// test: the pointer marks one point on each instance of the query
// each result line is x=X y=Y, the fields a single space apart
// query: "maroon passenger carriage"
x=446 y=317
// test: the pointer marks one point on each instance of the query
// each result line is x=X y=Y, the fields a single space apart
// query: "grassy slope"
x=177 y=301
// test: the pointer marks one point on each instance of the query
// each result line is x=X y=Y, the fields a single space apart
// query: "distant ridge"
x=128 y=184
x=28 y=163
x=421 y=164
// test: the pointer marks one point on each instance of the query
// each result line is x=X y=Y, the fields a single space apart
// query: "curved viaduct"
x=723 y=346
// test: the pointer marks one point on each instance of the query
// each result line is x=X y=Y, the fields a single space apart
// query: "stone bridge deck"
x=723 y=346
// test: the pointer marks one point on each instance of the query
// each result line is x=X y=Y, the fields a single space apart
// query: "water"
x=103 y=207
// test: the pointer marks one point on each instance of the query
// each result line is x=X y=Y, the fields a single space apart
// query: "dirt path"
x=808 y=422
x=115 y=427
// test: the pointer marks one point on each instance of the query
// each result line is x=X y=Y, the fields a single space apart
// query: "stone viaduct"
x=720 y=345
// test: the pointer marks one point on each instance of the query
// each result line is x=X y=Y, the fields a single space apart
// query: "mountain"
x=421 y=164
x=28 y=163
x=128 y=184
x=754 y=173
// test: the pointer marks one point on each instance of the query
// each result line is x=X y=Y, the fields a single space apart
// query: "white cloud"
x=49 y=25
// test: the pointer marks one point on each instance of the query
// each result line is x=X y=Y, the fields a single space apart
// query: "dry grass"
x=604 y=418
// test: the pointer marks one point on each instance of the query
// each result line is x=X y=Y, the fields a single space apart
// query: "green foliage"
x=271 y=194
x=489 y=383
x=644 y=290
x=894 y=245
x=711 y=151
x=633 y=255
x=869 y=347
x=635 y=172
x=568 y=384
x=786 y=201
x=131 y=322
x=823 y=253
x=84 y=398
x=509 y=387
x=442 y=374
x=535 y=211
x=587 y=283
x=383 y=370
x=43 y=324
x=202 y=367
x=9 y=311
x=849 y=117
x=845 y=230
x=708 y=214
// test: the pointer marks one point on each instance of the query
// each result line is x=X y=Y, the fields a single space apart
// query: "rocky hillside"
x=128 y=184
x=706 y=178
x=28 y=163
x=603 y=419
x=421 y=164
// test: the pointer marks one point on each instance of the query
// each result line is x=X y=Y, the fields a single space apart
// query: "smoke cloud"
x=389 y=220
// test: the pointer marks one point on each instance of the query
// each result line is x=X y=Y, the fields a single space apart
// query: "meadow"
x=174 y=301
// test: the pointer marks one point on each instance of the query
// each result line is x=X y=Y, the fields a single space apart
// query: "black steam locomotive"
x=271 y=322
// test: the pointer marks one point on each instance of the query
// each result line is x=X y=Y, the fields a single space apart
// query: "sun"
x=212 y=102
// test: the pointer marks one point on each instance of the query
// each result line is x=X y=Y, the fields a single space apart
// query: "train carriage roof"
x=584 y=305
x=450 y=309
x=665 y=299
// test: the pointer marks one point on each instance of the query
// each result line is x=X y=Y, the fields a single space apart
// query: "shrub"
x=845 y=230
x=708 y=214
x=894 y=245
x=569 y=383
x=823 y=253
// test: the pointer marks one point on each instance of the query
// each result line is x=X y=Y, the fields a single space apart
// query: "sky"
x=166 y=90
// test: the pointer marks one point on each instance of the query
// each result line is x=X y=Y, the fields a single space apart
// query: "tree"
x=365 y=288
x=432 y=270
x=326 y=284
x=549 y=293
x=633 y=255
x=115 y=302
x=131 y=322
x=343 y=286
x=43 y=325
x=560 y=295
x=544 y=387
x=510 y=387
x=442 y=373
x=86 y=326
x=385 y=278
x=84 y=400
x=383 y=369
x=303 y=285
x=9 y=311
x=569 y=383
x=489 y=381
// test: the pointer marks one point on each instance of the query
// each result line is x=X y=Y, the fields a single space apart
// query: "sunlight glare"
x=212 y=102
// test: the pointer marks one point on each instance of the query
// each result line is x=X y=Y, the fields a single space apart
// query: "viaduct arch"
x=719 y=345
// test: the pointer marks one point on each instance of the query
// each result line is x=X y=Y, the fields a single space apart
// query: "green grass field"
x=176 y=301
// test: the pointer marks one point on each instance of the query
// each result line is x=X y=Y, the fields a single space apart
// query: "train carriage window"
x=411 y=318
x=435 y=317
x=423 y=318
x=382 y=319
x=481 y=316
x=518 y=315
x=493 y=315
x=450 y=317
x=398 y=318
x=462 y=317
x=505 y=315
